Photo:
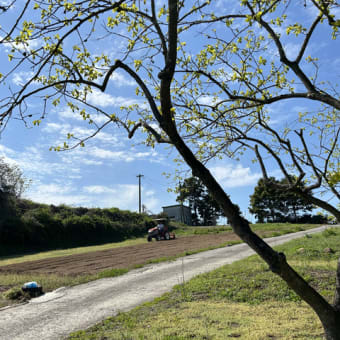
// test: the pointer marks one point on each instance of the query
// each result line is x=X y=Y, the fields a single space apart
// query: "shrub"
x=47 y=226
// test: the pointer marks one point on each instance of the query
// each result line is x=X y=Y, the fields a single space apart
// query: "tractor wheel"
x=167 y=236
x=158 y=237
x=149 y=238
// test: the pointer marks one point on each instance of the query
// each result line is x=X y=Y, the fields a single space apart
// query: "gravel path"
x=56 y=314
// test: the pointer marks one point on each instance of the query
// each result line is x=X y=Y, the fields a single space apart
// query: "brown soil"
x=124 y=257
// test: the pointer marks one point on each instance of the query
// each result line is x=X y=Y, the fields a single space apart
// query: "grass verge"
x=242 y=300
x=261 y=228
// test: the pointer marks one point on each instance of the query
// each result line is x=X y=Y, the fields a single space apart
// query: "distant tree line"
x=269 y=203
x=25 y=225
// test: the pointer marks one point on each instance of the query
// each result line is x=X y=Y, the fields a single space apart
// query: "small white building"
x=179 y=213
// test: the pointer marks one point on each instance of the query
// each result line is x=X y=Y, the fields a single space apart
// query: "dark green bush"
x=42 y=226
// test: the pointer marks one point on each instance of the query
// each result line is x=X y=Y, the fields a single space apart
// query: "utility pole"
x=140 y=192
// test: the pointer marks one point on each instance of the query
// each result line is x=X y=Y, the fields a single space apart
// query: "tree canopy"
x=12 y=181
x=270 y=204
x=210 y=78
x=205 y=210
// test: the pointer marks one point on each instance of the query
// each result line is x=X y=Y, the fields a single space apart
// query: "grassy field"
x=10 y=284
x=242 y=300
x=271 y=229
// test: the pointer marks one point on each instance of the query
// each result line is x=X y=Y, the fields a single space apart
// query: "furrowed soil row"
x=124 y=257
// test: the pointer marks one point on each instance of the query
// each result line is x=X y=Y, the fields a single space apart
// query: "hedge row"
x=24 y=223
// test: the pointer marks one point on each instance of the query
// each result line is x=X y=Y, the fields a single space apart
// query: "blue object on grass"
x=30 y=285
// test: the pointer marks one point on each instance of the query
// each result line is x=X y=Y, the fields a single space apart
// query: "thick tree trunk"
x=336 y=302
x=334 y=329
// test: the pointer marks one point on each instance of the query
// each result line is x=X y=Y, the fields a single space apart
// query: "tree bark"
x=336 y=302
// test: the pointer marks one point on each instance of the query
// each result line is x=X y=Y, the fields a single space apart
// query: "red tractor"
x=161 y=231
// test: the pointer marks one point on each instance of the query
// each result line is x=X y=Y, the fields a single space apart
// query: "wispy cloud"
x=122 y=195
x=235 y=176
x=20 y=78
x=35 y=165
x=62 y=129
x=105 y=100
x=127 y=155
x=29 y=45
x=292 y=50
x=56 y=194
x=207 y=100
x=66 y=114
x=119 y=80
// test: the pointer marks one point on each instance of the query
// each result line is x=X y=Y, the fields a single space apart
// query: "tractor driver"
x=160 y=226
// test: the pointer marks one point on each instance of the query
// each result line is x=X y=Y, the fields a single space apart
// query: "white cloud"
x=82 y=132
x=235 y=176
x=107 y=154
x=292 y=50
x=54 y=188
x=20 y=78
x=4 y=151
x=124 y=196
x=53 y=127
x=35 y=165
x=29 y=45
x=56 y=194
x=64 y=129
x=206 y=100
x=99 y=189
x=87 y=161
x=66 y=114
x=110 y=138
x=104 y=100
x=121 y=80
x=121 y=155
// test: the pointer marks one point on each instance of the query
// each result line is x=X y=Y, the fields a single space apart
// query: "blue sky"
x=103 y=174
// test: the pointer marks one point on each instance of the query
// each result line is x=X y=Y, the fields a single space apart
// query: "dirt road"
x=56 y=314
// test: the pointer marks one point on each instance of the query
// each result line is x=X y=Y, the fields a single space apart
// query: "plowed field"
x=124 y=257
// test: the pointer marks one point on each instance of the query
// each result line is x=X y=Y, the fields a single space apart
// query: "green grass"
x=242 y=300
x=282 y=228
x=263 y=228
